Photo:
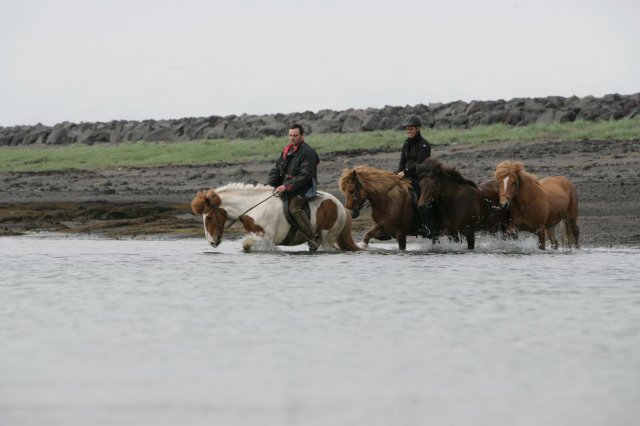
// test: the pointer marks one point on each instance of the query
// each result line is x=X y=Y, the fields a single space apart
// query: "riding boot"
x=297 y=213
x=430 y=226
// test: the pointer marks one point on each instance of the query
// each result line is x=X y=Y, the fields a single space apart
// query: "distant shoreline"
x=458 y=114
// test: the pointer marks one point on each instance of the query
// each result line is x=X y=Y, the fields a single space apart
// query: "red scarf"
x=289 y=147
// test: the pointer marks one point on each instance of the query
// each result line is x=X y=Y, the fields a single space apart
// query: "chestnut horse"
x=261 y=213
x=461 y=206
x=392 y=208
x=538 y=205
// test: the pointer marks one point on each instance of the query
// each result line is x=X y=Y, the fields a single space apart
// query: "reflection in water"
x=166 y=332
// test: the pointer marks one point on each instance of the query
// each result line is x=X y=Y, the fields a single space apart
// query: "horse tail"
x=572 y=218
x=345 y=238
x=569 y=222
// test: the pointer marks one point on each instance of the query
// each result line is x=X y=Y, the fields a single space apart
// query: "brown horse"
x=538 y=205
x=392 y=209
x=462 y=207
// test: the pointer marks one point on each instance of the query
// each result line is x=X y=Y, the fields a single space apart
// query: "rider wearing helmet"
x=415 y=150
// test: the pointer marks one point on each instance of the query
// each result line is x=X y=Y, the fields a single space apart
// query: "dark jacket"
x=296 y=170
x=414 y=152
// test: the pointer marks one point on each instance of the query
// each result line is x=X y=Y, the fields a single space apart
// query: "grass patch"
x=145 y=154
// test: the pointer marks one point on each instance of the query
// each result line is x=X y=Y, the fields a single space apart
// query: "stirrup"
x=424 y=231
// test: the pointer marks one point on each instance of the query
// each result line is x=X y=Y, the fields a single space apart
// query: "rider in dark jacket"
x=295 y=176
x=415 y=150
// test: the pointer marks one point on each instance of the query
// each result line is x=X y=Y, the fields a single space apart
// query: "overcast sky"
x=87 y=60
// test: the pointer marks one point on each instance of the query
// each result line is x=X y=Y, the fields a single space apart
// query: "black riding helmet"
x=412 y=120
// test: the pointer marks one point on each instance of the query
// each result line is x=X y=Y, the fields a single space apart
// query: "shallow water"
x=174 y=332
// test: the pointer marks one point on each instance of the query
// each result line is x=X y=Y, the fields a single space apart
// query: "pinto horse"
x=538 y=205
x=462 y=207
x=262 y=214
x=392 y=209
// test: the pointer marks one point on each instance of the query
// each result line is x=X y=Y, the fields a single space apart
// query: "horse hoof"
x=247 y=245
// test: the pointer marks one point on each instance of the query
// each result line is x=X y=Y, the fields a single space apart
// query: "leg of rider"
x=430 y=220
x=296 y=205
x=425 y=229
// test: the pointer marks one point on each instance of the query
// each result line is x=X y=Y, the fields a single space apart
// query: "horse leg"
x=540 y=232
x=551 y=235
x=471 y=240
x=575 y=231
x=372 y=233
x=402 y=241
x=511 y=231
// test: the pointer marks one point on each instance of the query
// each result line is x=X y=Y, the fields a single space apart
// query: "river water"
x=166 y=332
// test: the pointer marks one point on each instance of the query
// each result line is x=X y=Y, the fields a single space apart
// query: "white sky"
x=89 y=60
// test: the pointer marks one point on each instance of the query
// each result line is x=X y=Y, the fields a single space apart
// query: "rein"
x=235 y=219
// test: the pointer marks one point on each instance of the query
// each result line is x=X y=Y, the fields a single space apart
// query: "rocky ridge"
x=459 y=114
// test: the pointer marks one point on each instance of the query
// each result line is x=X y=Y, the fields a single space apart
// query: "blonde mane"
x=376 y=182
x=514 y=167
x=237 y=186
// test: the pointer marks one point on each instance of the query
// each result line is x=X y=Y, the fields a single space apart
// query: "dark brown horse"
x=538 y=205
x=392 y=209
x=462 y=207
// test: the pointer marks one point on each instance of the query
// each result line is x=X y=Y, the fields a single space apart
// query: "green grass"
x=143 y=154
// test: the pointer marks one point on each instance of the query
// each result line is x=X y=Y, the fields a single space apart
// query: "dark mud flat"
x=154 y=202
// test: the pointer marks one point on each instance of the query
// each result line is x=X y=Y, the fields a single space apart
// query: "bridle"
x=357 y=203
x=235 y=219
x=220 y=229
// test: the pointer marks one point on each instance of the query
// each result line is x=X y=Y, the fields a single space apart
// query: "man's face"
x=411 y=131
x=295 y=137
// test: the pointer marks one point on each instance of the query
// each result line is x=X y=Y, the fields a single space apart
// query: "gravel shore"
x=154 y=202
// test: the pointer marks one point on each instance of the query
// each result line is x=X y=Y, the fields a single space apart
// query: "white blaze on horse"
x=538 y=205
x=262 y=214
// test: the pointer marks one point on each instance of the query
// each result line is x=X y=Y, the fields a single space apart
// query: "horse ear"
x=212 y=198
x=354 y=174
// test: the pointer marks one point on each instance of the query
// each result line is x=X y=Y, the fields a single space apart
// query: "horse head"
x=507 y=174
x=213 y=216
x=354 y=193
x=430 y=173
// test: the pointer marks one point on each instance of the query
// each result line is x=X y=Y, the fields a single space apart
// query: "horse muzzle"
x=504 y=201
x=425 y=204
x=215 y=242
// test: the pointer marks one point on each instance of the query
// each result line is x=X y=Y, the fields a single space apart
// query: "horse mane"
x=436 y=167
x=237 y=186
x=377 y=182
x=516 y=167
x=197 y=204
x=203 y=200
